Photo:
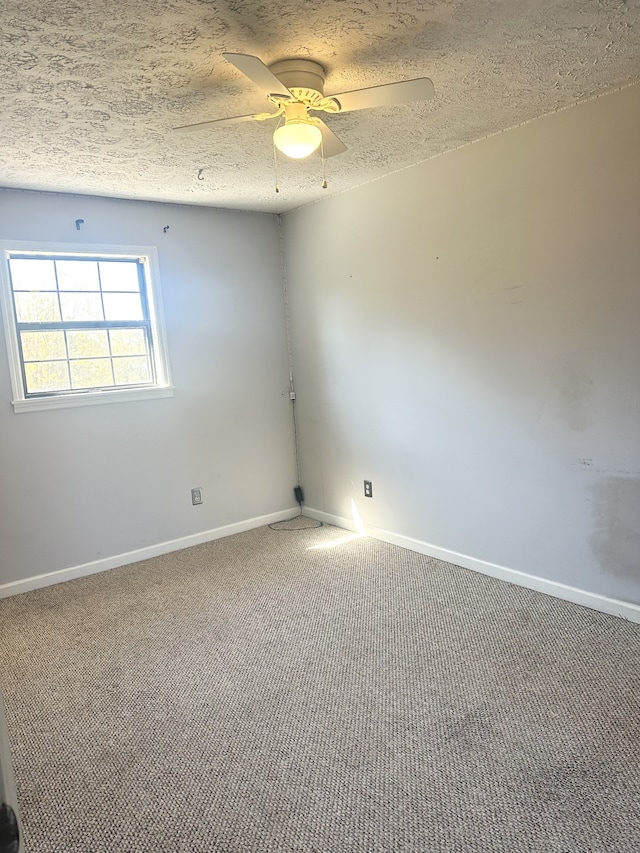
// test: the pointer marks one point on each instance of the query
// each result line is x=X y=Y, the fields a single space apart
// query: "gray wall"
x=87 y=483
x=467 y=337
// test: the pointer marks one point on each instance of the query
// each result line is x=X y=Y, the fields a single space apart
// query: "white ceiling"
x=91 y=89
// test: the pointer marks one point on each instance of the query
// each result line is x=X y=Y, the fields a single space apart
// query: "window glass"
x=37 y=307
x=45 y=376
x=122 y=276
x=81 y=306
x=43 y=346
x=33 y=274
x=92 y=344
x=77 y=275
x=122 y=306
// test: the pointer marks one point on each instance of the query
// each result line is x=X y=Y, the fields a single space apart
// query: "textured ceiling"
x=91 y=89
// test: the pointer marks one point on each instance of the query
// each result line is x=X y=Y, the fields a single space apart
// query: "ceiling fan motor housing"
x=299 y=74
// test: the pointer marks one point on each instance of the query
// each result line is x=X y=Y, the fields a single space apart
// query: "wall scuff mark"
x=615 y=539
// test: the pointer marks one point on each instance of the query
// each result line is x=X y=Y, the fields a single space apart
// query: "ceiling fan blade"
x=402 y=92
x=331 y=145
x=205 y=125
x=257 y=71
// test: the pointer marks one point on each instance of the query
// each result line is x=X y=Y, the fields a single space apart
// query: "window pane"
x=37 y=307
x=42 y=346
x=131 y=371
x=121 y=275
x=31 y=274
x=78 y=275
x=122 y=306
x=81 y=306
x=46 y=376
x=91 y=373
x=128 y=342
x=89 y=344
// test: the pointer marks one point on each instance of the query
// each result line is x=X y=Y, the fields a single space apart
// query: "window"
x=82 y=325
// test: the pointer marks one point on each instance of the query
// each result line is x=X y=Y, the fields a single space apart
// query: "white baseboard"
x=612 y=606
x=17 y=587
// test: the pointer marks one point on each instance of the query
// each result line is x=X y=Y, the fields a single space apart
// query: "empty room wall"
x=85 y=484
x=468 y=340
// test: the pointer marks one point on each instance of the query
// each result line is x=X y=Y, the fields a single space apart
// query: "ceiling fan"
x=295 y=87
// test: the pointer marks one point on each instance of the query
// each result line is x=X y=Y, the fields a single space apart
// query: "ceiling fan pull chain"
x=275 y=167
x=324 y=177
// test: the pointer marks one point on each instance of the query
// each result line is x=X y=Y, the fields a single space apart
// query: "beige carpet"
x=280 y=692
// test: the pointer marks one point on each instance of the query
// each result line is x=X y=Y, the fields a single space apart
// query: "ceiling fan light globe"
x=297 y=138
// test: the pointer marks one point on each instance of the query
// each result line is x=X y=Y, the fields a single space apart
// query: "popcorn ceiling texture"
x=90 y=91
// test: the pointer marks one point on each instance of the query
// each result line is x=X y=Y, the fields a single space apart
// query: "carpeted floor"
x=314 y=692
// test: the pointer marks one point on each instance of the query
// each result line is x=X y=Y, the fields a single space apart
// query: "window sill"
x=89 y=398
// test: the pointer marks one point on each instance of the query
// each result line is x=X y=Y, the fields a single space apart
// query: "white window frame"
x=148 y=256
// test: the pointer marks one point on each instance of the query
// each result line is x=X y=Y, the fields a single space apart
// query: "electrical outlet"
x=196 y=496
x=368 y=489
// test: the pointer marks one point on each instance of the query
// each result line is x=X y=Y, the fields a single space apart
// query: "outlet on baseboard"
x=196 y=496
